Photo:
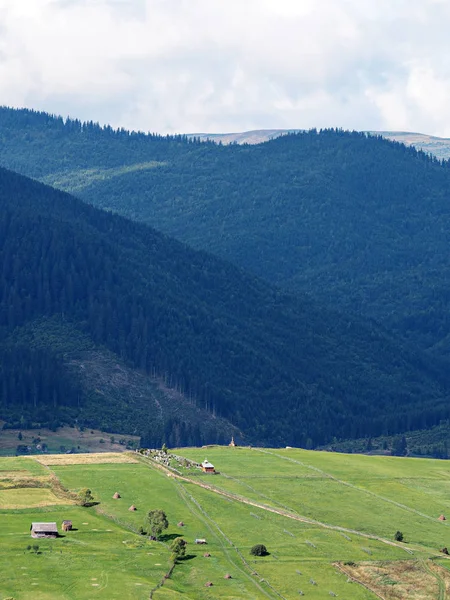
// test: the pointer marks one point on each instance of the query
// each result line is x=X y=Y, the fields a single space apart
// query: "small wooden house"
x=66 y=525
x=207 y=467
x=44 y=530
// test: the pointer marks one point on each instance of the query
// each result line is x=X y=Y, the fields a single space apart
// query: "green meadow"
x=328 y=522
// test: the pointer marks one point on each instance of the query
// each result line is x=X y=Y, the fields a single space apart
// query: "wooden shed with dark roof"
x=66 y=526
x=44 y=530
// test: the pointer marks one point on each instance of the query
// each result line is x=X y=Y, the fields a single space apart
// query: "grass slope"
x=324 y=542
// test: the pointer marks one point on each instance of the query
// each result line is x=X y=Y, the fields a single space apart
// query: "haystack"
x=442 y=518
x=207 y=555
x=227 y=576
x=116 y=496
x=181 y=524
x=209 y=584
x=132 y=507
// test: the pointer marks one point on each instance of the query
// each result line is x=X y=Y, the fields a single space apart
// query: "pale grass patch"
x=96 y=458
x=398 y=580
x=30 y=498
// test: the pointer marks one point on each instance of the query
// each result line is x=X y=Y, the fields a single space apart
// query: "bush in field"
x=85 y=497
x=398 y=536
x=259 y=550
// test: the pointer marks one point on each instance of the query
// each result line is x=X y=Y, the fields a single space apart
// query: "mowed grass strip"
x=97 y=458
x=21 y=465
x=30 y=498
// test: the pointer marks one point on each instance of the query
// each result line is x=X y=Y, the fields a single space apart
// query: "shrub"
x=85 y=497
x=259 y=550
x=398 y=536
x=178 y=548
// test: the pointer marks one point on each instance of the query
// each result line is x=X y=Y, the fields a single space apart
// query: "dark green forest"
x=360 y=223
x=282 y=369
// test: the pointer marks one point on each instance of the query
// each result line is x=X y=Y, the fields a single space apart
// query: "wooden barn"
x=44 y=530
x=207 y=467
x=66 y=525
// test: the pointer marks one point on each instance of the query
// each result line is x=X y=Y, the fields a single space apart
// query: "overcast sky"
x=231 y=65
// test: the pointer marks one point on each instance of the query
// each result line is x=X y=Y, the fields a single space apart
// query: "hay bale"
x=207 y=555
x=132 y=508
x=209 y=584
x=442 y=518
x=116 y=496
x=227 y=576
x=181 y=524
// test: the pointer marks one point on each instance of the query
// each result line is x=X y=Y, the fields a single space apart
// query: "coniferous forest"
x=358 y=223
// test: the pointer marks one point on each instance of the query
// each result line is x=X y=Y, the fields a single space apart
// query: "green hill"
x=93 y=305
x=329 y=523
x=359 y=222
x=437 y=146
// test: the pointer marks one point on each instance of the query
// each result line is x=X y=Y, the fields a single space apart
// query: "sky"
x=190 y=66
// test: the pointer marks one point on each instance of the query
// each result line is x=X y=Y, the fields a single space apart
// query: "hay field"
x=402 y=580
x=97 y=458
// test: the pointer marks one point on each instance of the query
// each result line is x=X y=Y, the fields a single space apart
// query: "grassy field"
x=328 y=522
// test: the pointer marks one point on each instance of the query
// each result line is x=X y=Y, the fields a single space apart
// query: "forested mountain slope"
x=281 y=369
x=359 y=222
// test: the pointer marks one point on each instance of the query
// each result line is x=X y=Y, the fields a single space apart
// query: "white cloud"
x=229 y=65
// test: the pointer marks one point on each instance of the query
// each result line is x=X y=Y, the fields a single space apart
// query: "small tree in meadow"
x=398 y=536
x=85 y=497
x=157 y=521
x=178 y=548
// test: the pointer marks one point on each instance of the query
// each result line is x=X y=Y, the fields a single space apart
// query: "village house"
x=44 y=530
x=207 y=467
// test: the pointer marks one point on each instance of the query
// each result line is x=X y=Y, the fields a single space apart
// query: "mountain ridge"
x=435 y=145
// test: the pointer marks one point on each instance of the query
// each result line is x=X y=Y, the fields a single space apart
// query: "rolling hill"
x=359 y=222
x=437 y=146
x=93 y=307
